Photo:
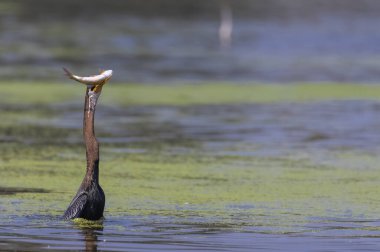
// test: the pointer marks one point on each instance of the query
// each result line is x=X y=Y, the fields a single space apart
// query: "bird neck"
x=92 y=145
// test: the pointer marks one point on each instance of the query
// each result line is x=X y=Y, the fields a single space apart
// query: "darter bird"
x=89 y=201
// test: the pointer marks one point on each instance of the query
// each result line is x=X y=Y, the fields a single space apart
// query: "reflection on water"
x=123 y=234
x=91 y=240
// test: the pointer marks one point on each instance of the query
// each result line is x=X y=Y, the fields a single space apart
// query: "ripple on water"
x=262 y=176
x=41 y=233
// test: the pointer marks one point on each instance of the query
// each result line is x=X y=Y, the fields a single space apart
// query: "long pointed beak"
x=97 y=88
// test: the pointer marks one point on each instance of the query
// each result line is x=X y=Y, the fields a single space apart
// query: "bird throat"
x=92 y=146
x=92 y=99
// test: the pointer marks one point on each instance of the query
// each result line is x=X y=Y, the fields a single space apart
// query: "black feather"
x=88 y=204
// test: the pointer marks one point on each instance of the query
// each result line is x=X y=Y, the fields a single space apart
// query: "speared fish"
x=96 y=81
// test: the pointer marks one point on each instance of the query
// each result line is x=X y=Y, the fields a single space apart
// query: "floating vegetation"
x=88 y=224
x=187 y=94
x=188 y=159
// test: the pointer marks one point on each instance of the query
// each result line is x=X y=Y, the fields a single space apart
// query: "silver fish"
x=96 y=81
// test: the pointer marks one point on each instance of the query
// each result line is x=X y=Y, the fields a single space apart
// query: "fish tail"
x=68 y=73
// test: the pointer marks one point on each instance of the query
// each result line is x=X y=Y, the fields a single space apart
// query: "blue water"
x=278 y=42
x=122 y=233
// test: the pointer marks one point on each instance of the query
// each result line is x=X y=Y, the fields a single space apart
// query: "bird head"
x=97 y=88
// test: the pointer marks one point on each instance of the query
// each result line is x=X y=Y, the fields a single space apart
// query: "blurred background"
x=192 y=40
x=227 y=123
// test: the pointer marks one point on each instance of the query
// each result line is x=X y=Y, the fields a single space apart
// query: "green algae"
x=187 y=94
x=36 y=93
x=49 y=160
x=88 y=224
x=233 y=189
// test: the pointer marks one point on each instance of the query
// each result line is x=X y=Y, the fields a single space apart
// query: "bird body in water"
x=89 y=201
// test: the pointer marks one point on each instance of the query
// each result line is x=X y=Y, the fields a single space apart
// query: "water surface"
x=272 y=41
x=287 y=175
